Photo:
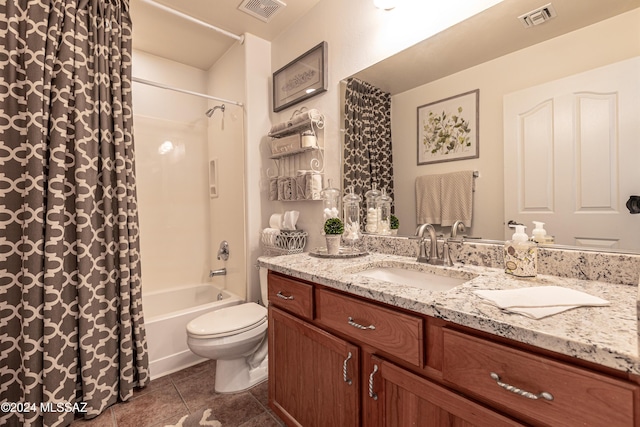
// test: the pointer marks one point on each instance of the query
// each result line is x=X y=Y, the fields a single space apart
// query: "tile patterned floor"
x=167 y=399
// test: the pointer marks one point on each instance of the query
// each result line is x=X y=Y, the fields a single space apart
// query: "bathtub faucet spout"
x=220 y=272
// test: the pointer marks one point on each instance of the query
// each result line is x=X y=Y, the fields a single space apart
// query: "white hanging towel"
x=457 y=198
x=428 y=190
x=539 y=301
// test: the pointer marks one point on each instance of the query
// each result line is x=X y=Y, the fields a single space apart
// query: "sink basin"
x=415 y=278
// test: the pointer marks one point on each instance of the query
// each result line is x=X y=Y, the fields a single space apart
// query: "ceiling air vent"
x=264 y=10
x=538 y=16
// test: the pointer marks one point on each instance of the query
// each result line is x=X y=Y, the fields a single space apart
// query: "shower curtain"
x=71 y=328
x=367 y=139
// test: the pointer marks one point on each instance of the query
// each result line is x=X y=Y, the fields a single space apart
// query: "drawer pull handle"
x=518 y=391
x=344 y=369
x=281 y=295
x=372 y=395
x=351 y=322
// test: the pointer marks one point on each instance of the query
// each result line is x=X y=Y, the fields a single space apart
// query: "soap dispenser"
x=538 y=234
x=520 y=255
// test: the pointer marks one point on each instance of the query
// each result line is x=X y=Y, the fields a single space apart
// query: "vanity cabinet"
x=407 y=399
x=389 y=331
x=341 y=360
x=534 y=387
x=315 y=374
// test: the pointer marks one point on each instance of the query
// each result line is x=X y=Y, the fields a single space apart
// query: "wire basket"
x=286 y=242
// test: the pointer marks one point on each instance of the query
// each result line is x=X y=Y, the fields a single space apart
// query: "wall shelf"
x=300 y=121
x=293 y=152
x=299 y=170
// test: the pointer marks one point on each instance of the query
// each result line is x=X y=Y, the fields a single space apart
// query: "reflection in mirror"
x=492 y=51
x=367 y=157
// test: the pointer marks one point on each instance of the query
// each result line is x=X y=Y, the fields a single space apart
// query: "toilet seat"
x=227 y=321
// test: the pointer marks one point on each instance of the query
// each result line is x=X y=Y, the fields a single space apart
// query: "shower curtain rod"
x=163 y=86
x=195 y=20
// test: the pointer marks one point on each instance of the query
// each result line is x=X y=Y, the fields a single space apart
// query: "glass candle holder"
x=383 y=204
x=351 y=205
x=330 y=197
x=371 y=221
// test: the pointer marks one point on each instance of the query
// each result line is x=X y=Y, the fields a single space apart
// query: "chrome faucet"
x=219 y=272
x=457 y=226
x=446 y=256
x=433 y=257
x=223 y=251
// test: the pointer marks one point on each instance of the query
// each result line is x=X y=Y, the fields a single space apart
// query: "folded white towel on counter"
x=539 y=301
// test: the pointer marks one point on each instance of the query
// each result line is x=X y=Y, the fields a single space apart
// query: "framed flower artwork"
x=448 y=129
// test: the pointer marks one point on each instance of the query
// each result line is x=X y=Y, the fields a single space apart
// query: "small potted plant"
x=394 y=224
x=333 y=229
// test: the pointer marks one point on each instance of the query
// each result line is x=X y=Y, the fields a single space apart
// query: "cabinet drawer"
x=395 y=333
x=291 y=295
x=579 y=397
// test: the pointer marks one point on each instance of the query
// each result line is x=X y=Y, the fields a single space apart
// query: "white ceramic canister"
x=309 y=139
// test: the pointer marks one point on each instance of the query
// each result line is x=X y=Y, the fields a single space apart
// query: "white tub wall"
x=225 y=80
x=166 y=331
x=172 y=188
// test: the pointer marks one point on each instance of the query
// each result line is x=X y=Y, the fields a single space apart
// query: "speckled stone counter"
x=604 y=335
x=618 y=268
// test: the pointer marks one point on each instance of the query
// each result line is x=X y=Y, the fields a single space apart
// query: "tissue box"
x=286 y=144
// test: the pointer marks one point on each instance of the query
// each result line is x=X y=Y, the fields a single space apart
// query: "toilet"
x=236 y=337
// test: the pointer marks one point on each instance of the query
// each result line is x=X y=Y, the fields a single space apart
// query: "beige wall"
x=226 y=144
x=358 y=35
x=242 y=74
x=172 y=191
x=257 y=124
x=597 y=45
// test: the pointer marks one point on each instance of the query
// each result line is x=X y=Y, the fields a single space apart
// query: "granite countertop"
x=604 y=335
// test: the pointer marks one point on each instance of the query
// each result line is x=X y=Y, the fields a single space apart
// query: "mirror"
x=495 y=53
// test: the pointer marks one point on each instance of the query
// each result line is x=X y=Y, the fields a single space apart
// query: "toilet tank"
x=263 y=286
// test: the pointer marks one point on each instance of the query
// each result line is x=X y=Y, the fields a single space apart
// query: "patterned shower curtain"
x=367 y=140
x=71 y=326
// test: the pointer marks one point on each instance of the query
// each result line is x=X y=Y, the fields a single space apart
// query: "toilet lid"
x=228 y=321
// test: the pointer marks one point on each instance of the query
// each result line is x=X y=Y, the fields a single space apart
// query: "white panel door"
x=572 y=157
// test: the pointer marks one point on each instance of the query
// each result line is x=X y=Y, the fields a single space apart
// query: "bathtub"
x=167 y=313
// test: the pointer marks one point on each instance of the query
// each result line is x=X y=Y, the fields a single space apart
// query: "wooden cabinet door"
x=314 y=376
x=410 y=400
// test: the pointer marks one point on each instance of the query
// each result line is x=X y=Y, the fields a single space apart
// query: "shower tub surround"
x=607 y=336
